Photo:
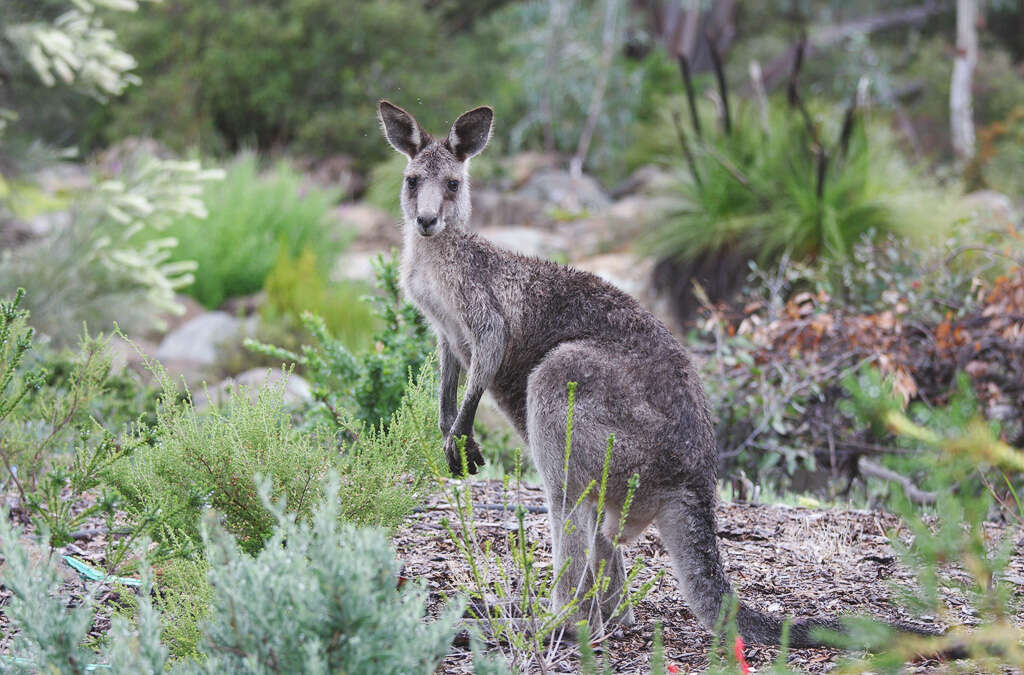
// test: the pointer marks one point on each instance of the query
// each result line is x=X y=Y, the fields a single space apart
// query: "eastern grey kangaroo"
x=523 y=328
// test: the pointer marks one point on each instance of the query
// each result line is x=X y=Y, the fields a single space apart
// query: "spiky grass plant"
x=765 y=189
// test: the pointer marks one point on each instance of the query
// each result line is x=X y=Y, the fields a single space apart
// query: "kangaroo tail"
x=688 y=532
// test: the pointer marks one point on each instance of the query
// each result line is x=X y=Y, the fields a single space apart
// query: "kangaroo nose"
x=427 y=225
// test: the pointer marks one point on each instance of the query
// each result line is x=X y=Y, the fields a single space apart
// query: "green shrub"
x=252 y=217
x=958 y=449
x=387 y=470
x=297 y=285
x=210 y=460
x=48 y=633
x=62 y=417
x=184 y=598
x=367 y=387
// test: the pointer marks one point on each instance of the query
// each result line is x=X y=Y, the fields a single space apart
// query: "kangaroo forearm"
x=448 y=389
x=482 y=370
x=463 y=425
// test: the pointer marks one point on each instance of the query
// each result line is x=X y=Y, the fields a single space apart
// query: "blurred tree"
x=56 y=42
x=961 y=113
x=265 y=73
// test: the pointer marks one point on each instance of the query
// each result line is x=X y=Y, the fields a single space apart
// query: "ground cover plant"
x=63 y=419
x=924 y=315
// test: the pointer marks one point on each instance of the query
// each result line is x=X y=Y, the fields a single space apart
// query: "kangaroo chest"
x=437 y=302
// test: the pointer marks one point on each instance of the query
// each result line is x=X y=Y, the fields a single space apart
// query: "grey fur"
x=524 y=328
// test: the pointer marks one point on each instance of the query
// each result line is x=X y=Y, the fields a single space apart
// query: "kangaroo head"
x=435 y=189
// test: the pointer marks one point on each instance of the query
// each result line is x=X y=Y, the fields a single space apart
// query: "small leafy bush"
x=296 y=285
x=774 y=369
x=388 y=469
x=184 y=598
x=959 y=452
x=252 y=217
x=210 y=459
x=365 y=387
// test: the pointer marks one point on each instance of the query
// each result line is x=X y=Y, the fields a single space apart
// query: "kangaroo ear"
x=402 y=130
x=470 y=133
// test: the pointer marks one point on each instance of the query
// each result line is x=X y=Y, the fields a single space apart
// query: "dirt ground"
x=793 y=561
x=787 y=560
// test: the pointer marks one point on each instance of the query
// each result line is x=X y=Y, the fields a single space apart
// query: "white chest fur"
x=436 y=300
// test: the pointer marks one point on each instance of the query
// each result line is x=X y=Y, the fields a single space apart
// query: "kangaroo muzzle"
x=427 y=225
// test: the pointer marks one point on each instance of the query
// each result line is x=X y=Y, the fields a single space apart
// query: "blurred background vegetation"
x=162 y=159
x=168 y=160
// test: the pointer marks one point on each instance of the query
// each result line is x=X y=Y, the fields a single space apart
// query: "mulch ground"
x=795 y=561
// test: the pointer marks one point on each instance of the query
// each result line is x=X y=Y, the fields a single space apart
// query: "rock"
x=16 y=232
x=525 y=240
x=169 y=322
x=989 y=205
x=375 y=228
x=336 y=172
x=63 y=177
x=640 y=210
x=492 y=206
x=244 y=305
x=196 y=340
x=47 y=223
x=560 y=191
x=647 y=180
x=355 y=266
x=522 y=166
x=295 y=388
x=130 y=356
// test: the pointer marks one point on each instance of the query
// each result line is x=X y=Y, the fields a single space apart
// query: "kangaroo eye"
x=453 y=185
x=412 y=181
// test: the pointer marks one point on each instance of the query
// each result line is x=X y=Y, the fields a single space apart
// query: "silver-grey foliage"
x=321 y=597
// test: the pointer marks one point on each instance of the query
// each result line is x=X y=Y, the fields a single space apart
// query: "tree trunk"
x=608 y=43
x=961 y=115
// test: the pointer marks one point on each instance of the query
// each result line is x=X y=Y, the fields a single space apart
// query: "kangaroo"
x=523 y=328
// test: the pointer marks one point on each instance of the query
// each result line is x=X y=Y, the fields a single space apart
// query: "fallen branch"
x=914 y=493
